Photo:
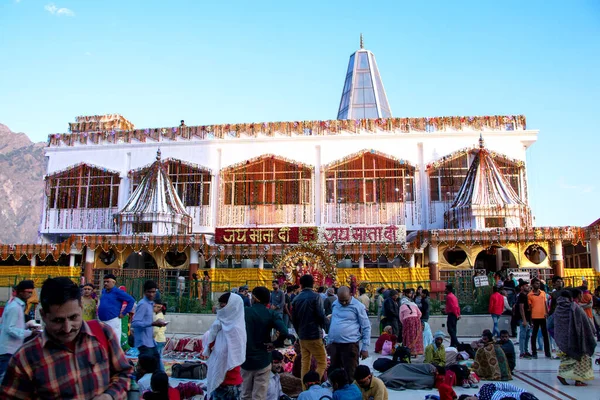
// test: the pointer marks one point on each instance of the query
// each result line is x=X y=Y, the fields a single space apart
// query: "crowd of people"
x=83 y=338
x=550 y=319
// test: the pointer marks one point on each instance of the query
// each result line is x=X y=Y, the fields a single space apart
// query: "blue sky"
x=157 y=62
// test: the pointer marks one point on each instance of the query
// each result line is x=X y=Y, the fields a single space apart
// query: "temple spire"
x=481 y=142
x=363 y=95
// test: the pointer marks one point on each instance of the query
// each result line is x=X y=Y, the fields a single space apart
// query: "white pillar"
x=214 y=192
x=595 y=254
x=71 y=260
x=213 y=262
x=261 y=263
x=433 y=254
x=361 y=261
x=193 y=256
x=556 y=251
x=33 y=260
x=317 y=198
x=423 y=189
x=89 y=255
x=411 y=261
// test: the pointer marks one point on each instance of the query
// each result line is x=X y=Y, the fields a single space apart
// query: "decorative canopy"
x=363 y=95
x=155 y=202
x=486 y=193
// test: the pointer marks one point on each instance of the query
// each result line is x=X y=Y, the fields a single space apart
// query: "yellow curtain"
x=573 y=276
x=10 y=276
x=386 y=276
x=227 y=278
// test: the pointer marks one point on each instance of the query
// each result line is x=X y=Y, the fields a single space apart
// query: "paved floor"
x=535 y=376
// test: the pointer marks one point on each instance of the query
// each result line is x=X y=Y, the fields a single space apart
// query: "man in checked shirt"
x=67 y=361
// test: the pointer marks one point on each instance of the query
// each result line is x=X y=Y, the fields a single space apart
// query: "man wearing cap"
x=243 y=292
x=13 y=332
x=435 y=353
x=111 y=303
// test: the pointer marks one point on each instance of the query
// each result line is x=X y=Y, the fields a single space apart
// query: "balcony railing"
x=270 y=214
x=80 y=219
x=368 y=214
x=201 y=217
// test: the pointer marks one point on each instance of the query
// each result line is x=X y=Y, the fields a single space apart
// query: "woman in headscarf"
x=574 y=337
x=490 y=361
x=410 y=317
x=225 y=346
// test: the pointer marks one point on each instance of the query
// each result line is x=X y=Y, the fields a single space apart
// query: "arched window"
x=192 y=182
x=369 y=177
x=267 y=180
x=446 y=179
x=83 y=186
x=512 y=173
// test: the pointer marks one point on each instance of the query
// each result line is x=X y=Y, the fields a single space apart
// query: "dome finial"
x=362 y=46
x=158 y=155
x=481 y=142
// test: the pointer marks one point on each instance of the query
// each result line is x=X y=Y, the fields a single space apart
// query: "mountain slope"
x=22 y=168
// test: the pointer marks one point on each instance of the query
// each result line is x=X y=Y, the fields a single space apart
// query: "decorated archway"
x=306 y=258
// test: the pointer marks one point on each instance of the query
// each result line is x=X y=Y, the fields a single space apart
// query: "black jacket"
x=308 y=317
x=391 y=309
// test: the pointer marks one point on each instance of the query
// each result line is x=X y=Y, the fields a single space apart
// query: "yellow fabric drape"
x=572 y=277
x=386 y=276
x=227 y=278
x=10 y=276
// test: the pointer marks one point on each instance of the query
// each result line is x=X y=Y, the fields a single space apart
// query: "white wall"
x=125 y=156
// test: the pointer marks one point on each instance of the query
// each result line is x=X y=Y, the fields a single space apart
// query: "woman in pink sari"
x=410 y=317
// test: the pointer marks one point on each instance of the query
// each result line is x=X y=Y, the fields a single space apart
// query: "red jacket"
x=452 y=306
x=496 y=304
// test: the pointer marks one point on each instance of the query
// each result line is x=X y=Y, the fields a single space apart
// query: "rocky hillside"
x=22 y=168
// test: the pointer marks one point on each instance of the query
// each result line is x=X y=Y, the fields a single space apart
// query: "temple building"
x=387 y=200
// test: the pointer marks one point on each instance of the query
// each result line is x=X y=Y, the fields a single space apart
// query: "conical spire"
x=486 y=193
x=363 y=95
x=155 y=201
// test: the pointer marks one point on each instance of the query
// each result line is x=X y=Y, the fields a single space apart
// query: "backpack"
x=189 y=370
x=96 y=329
x=387 y=348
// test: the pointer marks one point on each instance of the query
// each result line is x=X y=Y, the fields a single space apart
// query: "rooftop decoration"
x=485 y=193
x=154 y=202
x=106 y=122
x=293 y=128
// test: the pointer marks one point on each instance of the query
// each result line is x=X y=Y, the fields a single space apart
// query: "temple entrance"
x=305 y=259
x=140 y=260
x=495 y=259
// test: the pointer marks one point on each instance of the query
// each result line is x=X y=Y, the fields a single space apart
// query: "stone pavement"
x=535 y=376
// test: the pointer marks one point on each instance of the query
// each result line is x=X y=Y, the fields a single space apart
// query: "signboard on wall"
x=525 y=275
x=481 y=281
x=279 y=235
x=363 y=234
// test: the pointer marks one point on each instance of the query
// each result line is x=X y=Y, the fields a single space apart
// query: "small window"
x=494 y=222
x=142 y=227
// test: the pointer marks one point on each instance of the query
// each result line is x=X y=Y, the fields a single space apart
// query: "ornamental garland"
x=470 y=150
x=96 y=132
